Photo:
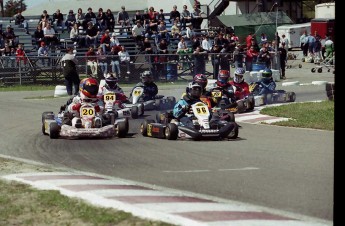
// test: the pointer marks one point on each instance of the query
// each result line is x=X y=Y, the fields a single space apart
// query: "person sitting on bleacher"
x=101 y=20
x=44 y=19
x=138 y=33
x=105 y=41
x=89 y=17
x=197 y=17
x=9 y=37
x=102 y=60
x=174 y=14
x=137 y=17
x=92 y=33
x=145 y=18
x=114 y=41
x=160 y=16
x=124 y=58
x=110 y=19
x=162 y=32
x=147 y=49
x=113 y=57
x=38 y=36
x=58 y=20
x=190 y=33
x=151 y=29
x=175 y=30
x=70 y=20
x=74 y=36
x=92 y=60
x=186 y=17
x=50 y=35
x=19 y=19
x=123 y=18
x=80 y=18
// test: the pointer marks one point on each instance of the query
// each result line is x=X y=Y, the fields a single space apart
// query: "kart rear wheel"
x=234 y=133
x=47 y=115
x=268 y=98
x=143 y=126
x=292 y=96
x=319 y=70
x=121 y=129
x=158 y=104
x=141 y=109
x=171 y=131
x=251 y=103
x=313 y=69
x=135 y=112
x=300 y=65
x=240 y=106
x=54 y=130
x=172 y=101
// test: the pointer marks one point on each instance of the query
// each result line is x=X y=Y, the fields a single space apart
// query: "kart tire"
x=303 y=59
x=171 y=131
x=300 y=65
x=43 y=130
x=143 y=126
x=268 y=98
x=234 y=133
x=158 y=117
x=292 y=96
x=240 y=106
x=54 y=130
x=121 y=129
x=251 y=103
x=319 y=70
x=313 y=69
x=329 y=86
x=158 y=104
x=135 y=112
x=47 y=115
x=172 y=101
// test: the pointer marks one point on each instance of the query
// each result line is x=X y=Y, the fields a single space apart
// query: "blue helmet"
x=267 y=73
x=238 y=77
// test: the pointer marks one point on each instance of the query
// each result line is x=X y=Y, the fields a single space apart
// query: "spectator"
x=182 y=46
x=160 y=16
x=147 y=49
x=80 y=18
x=190 y=33
x=7 y=52
x=174 y=14
x=50 y=35
x=277 y=40
x=38 y=36
x=251 y=56
x=286 y=41
x=302 y=41
x=283 y=59
x=186 y=17
x=43 y=54
x=197 y=17
x=21 y=55
x=58 y=20
x=124 y=58
x=329 y=48
x=137 y=17
x=114 y=58
x=215 y=60
x=152 y=14
x=137 y=32
x=195 y=43
x=75 y=36
x=123 y=19
x=199 y=60
x=175 y=30
x=44 y=18
x=318 y=49
x=89 y=17
x=151 y=29
x=264 y=57
x=249 y=39
x=102 y=60
x=145 y=18
x=206 y=44
x=92 y=60
x=263 y=38
x=221 y=41
x=110 y=20
x=19 y=19
x=105 y=41
x=101 y=20
x=114 y=41
x=92 y=33
x=70 y=72
x=162 y=32
x=10 y=37
x=311 y=43
x=70 y=20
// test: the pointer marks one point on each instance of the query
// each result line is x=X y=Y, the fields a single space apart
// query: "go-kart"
x=278 y=96
x=111 y=104
x=158 y=103
x=89 y=124
x=167 y=127
x=222 y=101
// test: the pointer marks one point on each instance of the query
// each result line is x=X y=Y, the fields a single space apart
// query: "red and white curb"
x=254 y=117
x=161 y=204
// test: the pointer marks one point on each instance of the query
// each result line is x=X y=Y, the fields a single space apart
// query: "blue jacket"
x=180 y=108
x=266 y=86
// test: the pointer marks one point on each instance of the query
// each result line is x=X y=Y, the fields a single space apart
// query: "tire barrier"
x=60 y=91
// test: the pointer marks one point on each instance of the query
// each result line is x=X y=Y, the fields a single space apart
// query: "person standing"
x=70 y=72
x=283 y=59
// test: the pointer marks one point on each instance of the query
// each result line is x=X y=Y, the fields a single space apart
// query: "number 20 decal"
x=88 y=111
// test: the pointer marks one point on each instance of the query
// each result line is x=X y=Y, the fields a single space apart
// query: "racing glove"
x=76 y=107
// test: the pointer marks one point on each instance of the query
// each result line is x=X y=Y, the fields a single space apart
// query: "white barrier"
x=275 y=75
x=255 y=76
x=60 y=91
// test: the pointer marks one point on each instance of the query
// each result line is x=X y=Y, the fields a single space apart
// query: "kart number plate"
x=109 y=97
x=87 y=111
x=216 y=94
x=137 y=93
x=149 y=130
x=201 y=110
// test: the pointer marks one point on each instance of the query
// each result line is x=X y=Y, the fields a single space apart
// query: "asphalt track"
x=281 y=168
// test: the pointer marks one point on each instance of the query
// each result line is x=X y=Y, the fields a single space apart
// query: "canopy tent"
x=256 y=23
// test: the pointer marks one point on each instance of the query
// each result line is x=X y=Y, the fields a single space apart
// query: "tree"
x=13 y=6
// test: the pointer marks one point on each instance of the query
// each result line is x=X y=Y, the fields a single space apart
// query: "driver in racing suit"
x=88 y=90
x=266 y=84
x=111 y=85
x=150 y=88
x=242 y=88
x=227 y=89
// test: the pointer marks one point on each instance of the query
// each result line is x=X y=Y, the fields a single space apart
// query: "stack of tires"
x=330 y=90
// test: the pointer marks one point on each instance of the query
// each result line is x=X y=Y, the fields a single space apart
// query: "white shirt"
x=50 y=31
x=124 y=56
x=206 y=44
x=137 y=30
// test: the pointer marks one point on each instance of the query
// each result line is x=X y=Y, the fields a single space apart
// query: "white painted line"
x=319 y=82
x=295 y=83
x=187 y=171
x=245 y=168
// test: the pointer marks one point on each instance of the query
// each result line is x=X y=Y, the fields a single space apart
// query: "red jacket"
x=242 y=90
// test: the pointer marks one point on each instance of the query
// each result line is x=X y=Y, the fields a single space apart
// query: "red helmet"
x=89 y=87
x=201 y=79
x=223 y=77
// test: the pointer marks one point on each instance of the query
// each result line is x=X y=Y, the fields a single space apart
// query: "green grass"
x=22 y=205
x=315 y=115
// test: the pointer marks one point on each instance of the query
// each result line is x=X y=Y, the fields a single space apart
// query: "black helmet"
x=146 y=77
x=111 y=80
x=195 y=90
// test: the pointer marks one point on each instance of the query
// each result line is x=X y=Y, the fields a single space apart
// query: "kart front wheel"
x=47 y=115
x=143 y=126
x=292 y=96
x=54 y=130
x=135 y=112
x=171 y=131
x=121 y=129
